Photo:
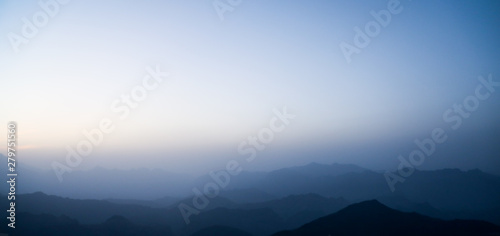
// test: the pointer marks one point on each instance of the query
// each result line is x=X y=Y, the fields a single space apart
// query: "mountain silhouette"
x=287 y=199
x=297 y=210
x=48 y=225
x=256 y=221
x=157 y=203
x=373 y=218
x=248 y=195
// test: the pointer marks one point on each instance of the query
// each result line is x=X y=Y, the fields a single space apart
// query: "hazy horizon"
x=67 y=77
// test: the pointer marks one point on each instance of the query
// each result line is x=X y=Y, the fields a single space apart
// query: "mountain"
x=280 y=183
x=326 y=180
x=294 y=196
x=300 y=209
x=373 y=218
x=315 y=169
x=163 y=202
x=49 y=225
x=118 y=225
x=92 y=211
x=353 y=186
x=444 y=193
x=100 y=183
x=449 y=190
x=248 y=195
x=213 y=203
x=453 y=189
x=401 y=203
x=256 y=221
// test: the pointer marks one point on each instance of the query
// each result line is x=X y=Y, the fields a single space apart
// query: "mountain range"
x=263 y=203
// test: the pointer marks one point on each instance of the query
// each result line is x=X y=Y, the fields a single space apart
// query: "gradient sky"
x=227 y=76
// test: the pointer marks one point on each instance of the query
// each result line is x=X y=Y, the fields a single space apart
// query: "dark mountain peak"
x=369 y=204
x=374 y=217
x=368 y=208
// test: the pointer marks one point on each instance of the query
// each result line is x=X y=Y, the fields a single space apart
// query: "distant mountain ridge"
x=364 y=218
x=297 y=195
x=49 y=225
x=157 y=203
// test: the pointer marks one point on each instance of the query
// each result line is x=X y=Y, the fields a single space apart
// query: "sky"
x=228 y=74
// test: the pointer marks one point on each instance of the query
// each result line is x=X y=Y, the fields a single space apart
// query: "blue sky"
x=227 y=76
